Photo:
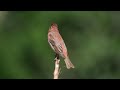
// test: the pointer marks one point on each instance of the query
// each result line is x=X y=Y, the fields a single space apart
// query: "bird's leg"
x=56 y=57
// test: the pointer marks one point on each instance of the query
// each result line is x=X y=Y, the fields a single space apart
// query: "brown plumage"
x=57 y=44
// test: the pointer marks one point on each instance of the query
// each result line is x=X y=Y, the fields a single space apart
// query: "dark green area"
x=92 y=39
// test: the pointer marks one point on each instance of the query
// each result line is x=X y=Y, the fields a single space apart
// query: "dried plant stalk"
x=57 y=68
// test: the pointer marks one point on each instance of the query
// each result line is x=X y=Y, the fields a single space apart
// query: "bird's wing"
x=56 y=46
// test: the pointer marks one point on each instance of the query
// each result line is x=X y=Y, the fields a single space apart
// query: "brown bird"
x=57 y=44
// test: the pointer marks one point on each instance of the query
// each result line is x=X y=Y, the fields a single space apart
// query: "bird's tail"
x=68 y=63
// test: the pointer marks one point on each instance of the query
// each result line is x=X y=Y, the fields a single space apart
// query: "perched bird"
x=57 y=44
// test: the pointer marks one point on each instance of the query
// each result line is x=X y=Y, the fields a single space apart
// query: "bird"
x=57 y=43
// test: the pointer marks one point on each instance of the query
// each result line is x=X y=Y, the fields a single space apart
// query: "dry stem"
x=57 y=68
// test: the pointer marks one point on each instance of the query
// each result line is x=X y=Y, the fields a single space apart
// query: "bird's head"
x=54 y=27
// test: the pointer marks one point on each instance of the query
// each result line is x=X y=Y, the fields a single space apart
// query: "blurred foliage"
x=92 y=39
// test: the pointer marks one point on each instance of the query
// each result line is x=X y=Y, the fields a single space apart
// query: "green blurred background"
x=92 y=39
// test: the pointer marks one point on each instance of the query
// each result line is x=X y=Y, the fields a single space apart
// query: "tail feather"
x=68 y=63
